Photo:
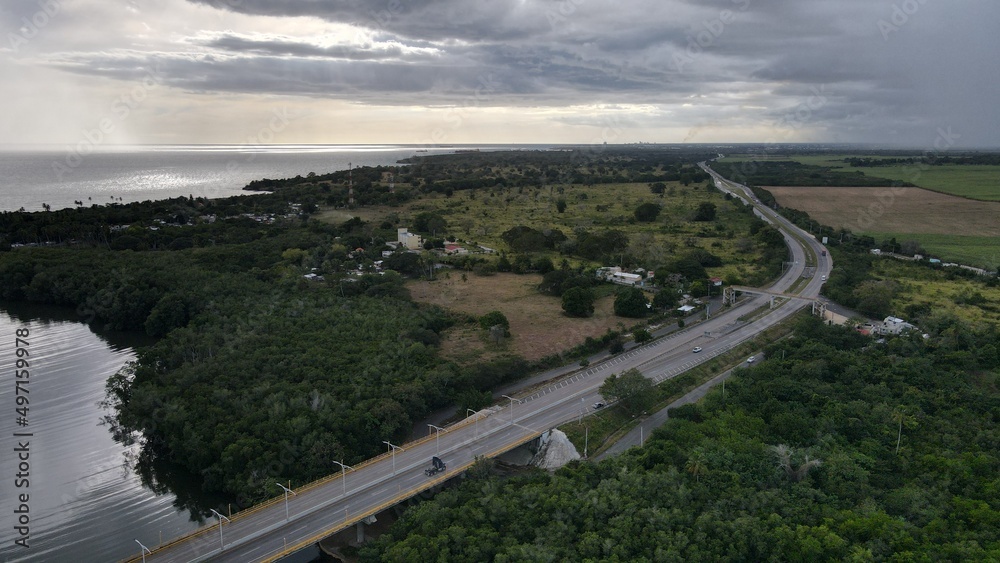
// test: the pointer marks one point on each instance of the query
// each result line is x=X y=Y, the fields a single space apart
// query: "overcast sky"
x=902 y=72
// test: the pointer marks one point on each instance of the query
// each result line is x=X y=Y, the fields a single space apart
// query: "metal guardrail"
x=275 y=500
x=349 y=521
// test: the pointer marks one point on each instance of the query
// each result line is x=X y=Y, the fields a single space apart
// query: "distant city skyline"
x=90 y=73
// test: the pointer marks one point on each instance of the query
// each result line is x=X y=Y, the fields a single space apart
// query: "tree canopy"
x=578 y=302
x=647 y=212
x=631 y=302
x=797 y=461
x=630 y=389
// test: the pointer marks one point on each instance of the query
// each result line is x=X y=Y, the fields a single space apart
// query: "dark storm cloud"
x=877 y=63
x=279 y=47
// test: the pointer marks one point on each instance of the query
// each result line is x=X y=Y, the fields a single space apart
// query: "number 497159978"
x=22 y=375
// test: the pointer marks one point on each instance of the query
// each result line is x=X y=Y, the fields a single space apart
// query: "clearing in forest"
x=538 y=326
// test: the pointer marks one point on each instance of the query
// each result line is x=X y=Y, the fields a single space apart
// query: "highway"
x=264 y=533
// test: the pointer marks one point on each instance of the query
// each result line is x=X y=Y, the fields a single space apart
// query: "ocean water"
x=31 y=178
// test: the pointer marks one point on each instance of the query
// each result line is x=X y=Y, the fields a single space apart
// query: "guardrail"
x=279 y=499
x=351 y=520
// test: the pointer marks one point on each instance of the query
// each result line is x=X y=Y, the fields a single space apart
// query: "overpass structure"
x=731 y=293
x=350 y=495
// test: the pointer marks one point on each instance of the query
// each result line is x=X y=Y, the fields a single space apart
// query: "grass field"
x=983 y=252
x=538 y=326
x=896 y=210
x=974 y=182
x=921 y=287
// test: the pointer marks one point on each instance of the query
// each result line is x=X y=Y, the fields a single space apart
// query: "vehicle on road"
x=696 y=349
x=823 y=278
x=437 y=466
x=598 y=405
x=751 y=359
x=822 y=253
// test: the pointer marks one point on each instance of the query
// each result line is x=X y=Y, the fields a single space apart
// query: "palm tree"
x=697 y=465
x=901 y=415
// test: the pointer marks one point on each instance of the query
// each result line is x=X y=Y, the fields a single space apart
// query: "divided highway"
x=264 y=533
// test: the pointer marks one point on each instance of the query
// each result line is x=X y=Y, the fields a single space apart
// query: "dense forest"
x=831 y=449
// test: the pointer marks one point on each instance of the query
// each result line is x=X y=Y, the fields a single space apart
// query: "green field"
x=973 y=251
x=973 y=182
x=925 y=292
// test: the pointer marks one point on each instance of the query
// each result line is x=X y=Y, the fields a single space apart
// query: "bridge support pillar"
x=361 y=528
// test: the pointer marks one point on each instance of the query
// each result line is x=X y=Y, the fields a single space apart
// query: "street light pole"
x=512 y=399
x=476 y=422
x=287 y=490
x=437 y=437
x=343 y=474
x=222 y=545
x=393 y=448
x=144 y=551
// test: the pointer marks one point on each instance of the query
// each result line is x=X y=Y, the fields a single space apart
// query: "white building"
x=410 y=241
x=614 y=274
x=622 y=278
x=894 y=325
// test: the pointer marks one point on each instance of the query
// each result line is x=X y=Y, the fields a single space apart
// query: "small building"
x=410 y=241
x=894 y=326
x=717 y=282
x=623 y=278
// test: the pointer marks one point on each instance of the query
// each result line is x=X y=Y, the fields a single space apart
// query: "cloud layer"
x=820 y=70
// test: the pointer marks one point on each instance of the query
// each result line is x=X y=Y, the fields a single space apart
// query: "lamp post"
x=287 y=490
x=221 y=518
x=437 y=437
x=144 y=551
x=476 y=422
x=393 y=448
x=343 y=474
x=512 y=399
